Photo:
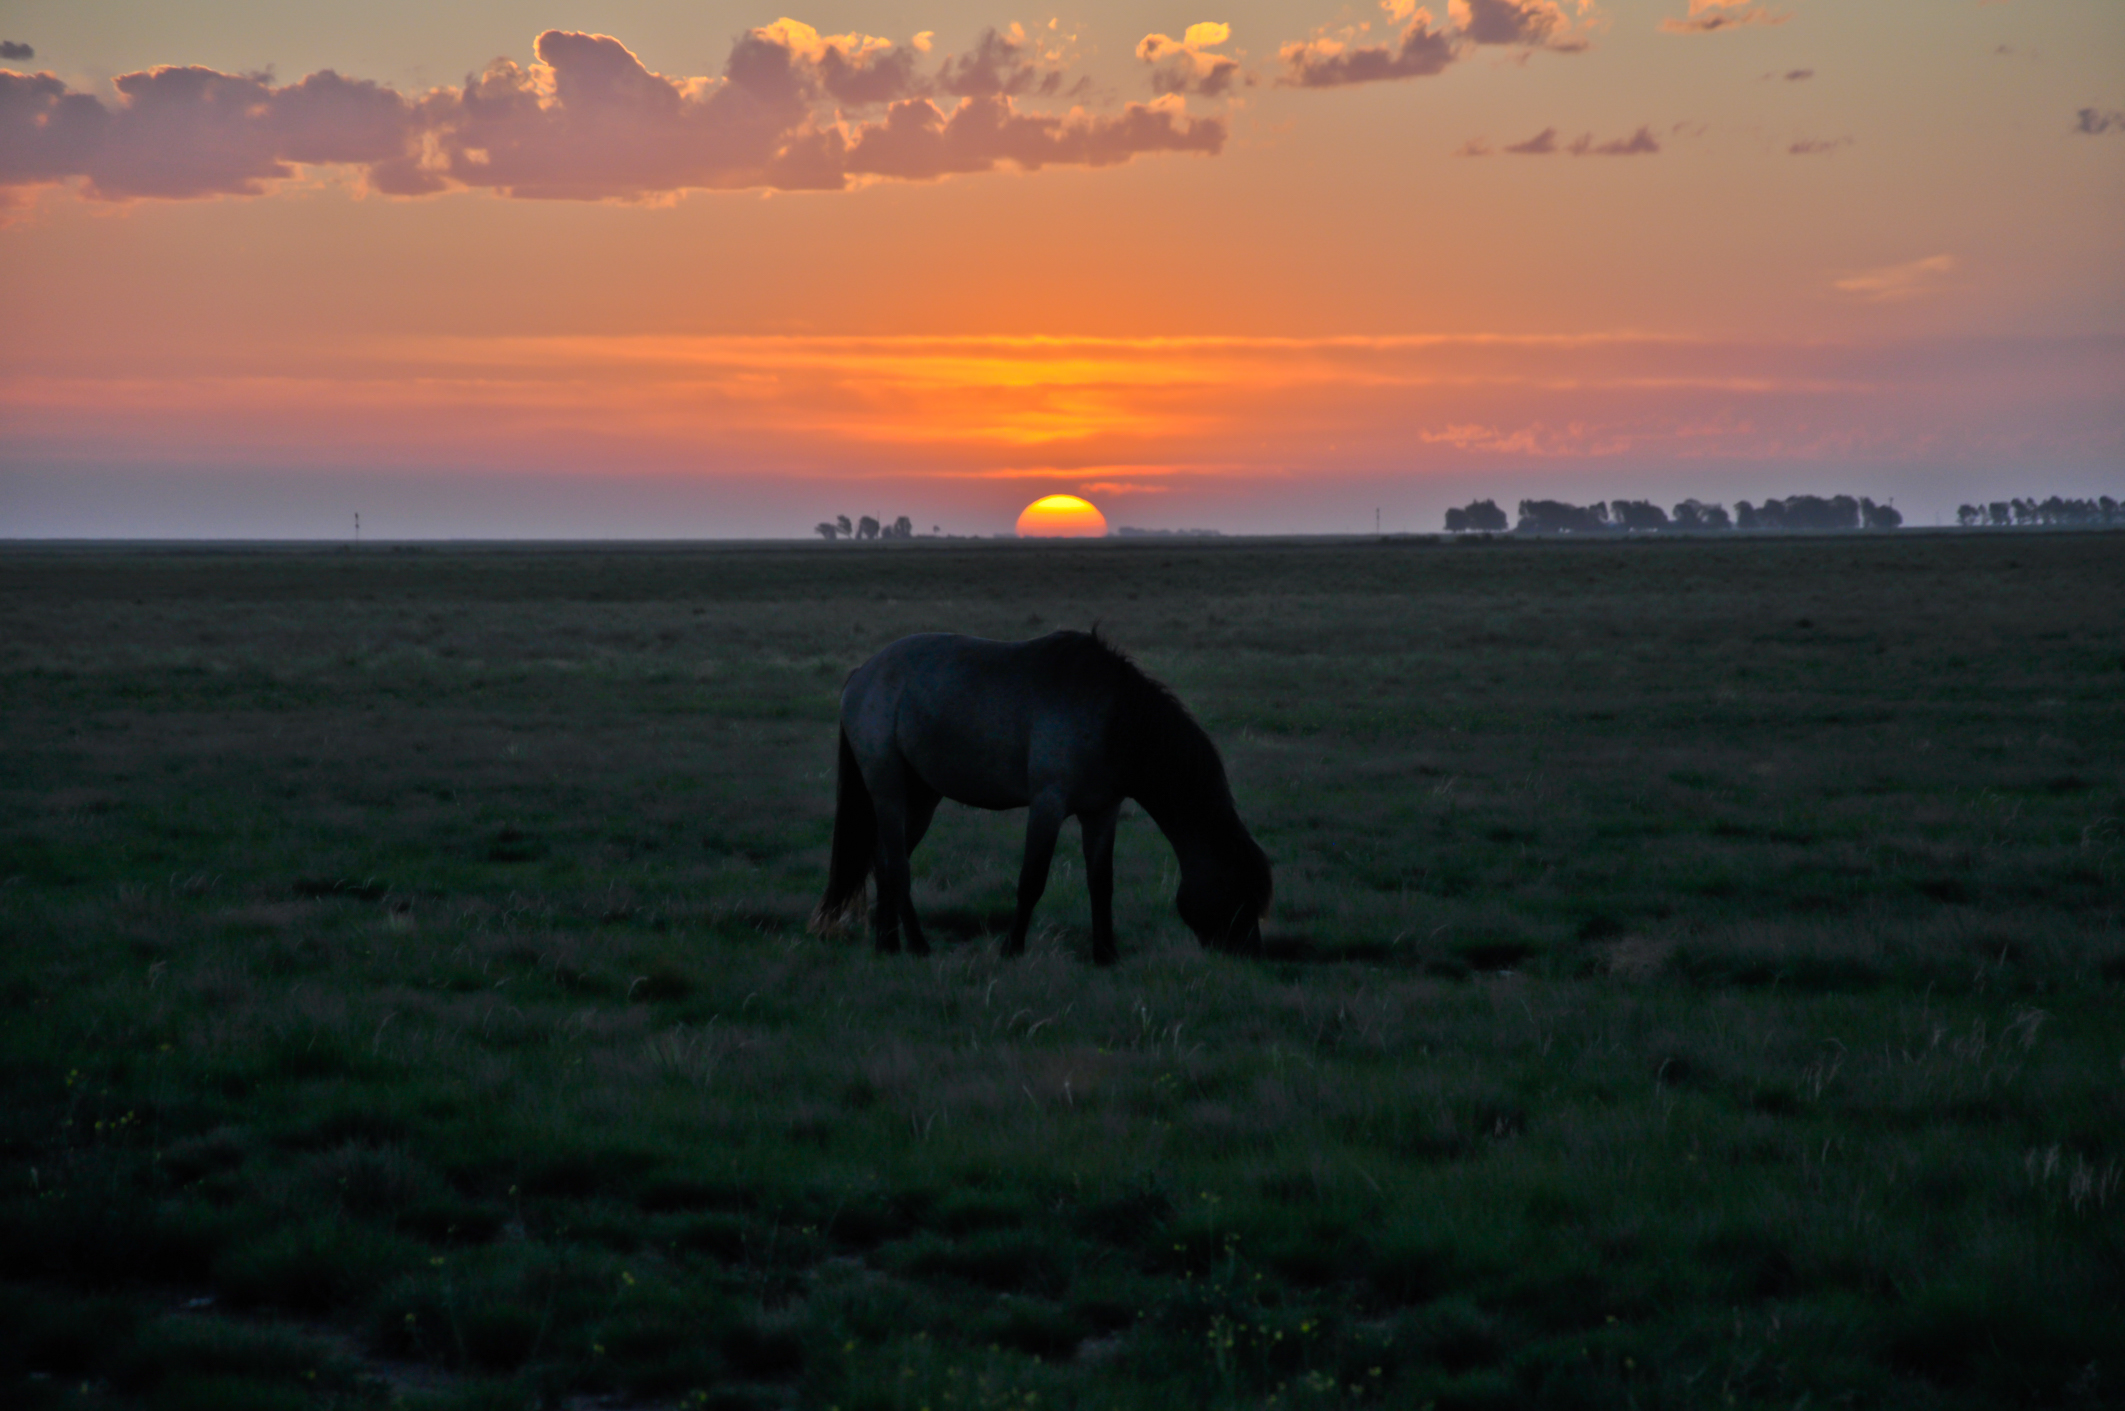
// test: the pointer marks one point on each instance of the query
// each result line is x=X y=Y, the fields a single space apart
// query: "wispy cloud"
x=1887 y=284
x=1340 y=56
x=1329 y=61
x=1545 y=144
x=1817 y=146
x=1711 y=16
x=2096 y=121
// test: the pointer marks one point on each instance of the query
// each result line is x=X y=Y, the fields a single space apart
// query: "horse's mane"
x=1170 y=759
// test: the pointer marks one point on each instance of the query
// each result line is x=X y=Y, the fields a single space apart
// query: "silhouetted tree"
x=2002 y=514
x=1969 y=516
x=866 y=528
x=1481 y=516
x=1875 y=516
x=1696 y=515
x=1809 y=512
x=826 y=531
x=1556 y=517
x=903 y=528
x=1745 y=516
x=1638 y=514
x=841 y=522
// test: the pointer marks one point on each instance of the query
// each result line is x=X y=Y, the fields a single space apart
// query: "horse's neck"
x=1192 y=829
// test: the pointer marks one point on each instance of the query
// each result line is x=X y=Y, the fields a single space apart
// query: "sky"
x=623 y=268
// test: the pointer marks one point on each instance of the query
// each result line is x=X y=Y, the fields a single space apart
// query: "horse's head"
x=1225 y=895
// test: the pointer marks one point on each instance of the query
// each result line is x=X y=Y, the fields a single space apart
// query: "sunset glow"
x=1061 y=517
x=1256 y=270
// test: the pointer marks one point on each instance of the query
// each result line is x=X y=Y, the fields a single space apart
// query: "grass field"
x=1695 y=980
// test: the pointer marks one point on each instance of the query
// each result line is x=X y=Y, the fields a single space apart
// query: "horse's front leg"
x=1098 y=829
x=1043 y=822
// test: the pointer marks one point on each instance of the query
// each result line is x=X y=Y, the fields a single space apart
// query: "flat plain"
x=1695 y=979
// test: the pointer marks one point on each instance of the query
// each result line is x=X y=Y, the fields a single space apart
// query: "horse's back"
x=984 y=722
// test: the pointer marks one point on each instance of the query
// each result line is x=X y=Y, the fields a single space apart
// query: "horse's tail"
x=855 y=846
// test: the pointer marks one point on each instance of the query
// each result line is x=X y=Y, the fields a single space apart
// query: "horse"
x=1063 y=726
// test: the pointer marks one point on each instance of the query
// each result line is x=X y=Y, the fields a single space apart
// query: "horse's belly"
x=966 y=781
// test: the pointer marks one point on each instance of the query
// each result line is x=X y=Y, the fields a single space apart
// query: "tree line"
x=2010 y=514
x=1802 y=512
x=865 y=528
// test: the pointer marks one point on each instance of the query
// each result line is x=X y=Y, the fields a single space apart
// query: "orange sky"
x=719 y=275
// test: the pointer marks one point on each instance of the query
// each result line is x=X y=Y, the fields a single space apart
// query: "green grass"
x=1695 y=979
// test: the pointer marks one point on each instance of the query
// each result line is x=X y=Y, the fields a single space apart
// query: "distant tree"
x=2001 y=513
x=1745 y=516
x=1556 y=517
x=1485 y=517
x=1809 y=512
x=1969 y=516
x=1875 y=516
x=1697 y=515
x=1638 y=514
x=2113 y=512
x=826 y=531
x=903 y=528
x=866 y=528
x=841 y=522
x=1457 y=521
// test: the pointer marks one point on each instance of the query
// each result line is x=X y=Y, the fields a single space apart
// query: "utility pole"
x=357 y=527
x=1375 y=521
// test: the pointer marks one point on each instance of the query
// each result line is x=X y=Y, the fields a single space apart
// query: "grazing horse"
x=1062 y=725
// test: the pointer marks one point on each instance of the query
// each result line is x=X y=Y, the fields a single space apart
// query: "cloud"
x=855 y=69
x=1817 y=147
x=586 y=121
x=1324 y=62
x=1185 y=65
x=918 y=141
x=2094 y=122
x=1423 y=48
x=1895 y=283
x=1639 y=144
x=1544 y=144
x=188 y=132
x=1532 y=23
x=1709 y=16
x=1799 y=75
x=1474 y=147
x=999 y=65
x=13 y=49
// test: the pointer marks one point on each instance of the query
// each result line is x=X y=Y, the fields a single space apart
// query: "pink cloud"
x=1710 y=16
x=587 y=121
x=1186 y=65
x=1544 y=144
x=1324 y=62
x=918 y=141
x=186 y=132
x=1533 y=23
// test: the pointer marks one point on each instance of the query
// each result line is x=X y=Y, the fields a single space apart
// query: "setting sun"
x=1061 y=517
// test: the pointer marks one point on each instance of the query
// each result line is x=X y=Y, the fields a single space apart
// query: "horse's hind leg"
x=904 y=810
x=1098 y=829
x=922 y=806
x=1043 y=822
x=892 y=872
